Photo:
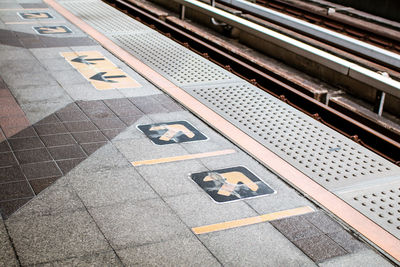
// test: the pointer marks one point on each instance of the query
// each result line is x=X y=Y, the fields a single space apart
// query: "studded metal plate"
x=178 y=64
x=103 y=17
x=321 y=153
x=380 y=203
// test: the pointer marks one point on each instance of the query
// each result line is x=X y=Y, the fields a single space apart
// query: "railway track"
x=374 y=136
x=355 y=30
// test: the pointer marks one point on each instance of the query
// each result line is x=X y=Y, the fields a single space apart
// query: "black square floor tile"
x=71 y=116
x=67 y=152
x=41 y=169
x=15 y=190
x=80 y=126
x=27 y=132
x=25 y=143
x=296 y=227
x=90 y=148
x=347 y=241
x=39 y=185
x=58 y=140
x=4 y=147
x=9 y=207
x=105 y=124
x=89 y=137
x=11 y=174
x=32 y=156
x=69 y=164
x=54 y=128
x=7 y=159
x=320 y=248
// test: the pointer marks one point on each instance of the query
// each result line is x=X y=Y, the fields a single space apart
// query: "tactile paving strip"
x=380 y=203
x=178 y=64
x=103 y=17
x=323 y=154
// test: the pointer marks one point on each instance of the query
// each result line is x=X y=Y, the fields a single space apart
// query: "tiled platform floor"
x=70 y=196
x=38 y=155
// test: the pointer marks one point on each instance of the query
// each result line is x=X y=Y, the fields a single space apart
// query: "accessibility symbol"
x=52 y=29
x=35 y=15
x=172 y=132
x=231 y=184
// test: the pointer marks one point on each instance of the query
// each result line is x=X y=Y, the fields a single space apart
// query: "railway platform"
x=119 y=147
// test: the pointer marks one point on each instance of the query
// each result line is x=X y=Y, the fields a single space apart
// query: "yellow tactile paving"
x=184 y=157
x=99 y=71
x=252 y=220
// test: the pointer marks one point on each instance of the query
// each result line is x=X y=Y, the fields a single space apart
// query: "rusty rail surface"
x=373 y=139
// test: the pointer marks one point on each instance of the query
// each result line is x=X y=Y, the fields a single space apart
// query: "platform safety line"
x=252 y=220
x=353 y=217
x=184 y=157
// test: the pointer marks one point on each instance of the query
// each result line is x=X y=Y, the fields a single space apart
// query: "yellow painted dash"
x=184 y=157
x=252 y=220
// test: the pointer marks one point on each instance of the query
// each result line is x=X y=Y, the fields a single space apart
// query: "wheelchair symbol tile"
x=231 y=184
x=171 y=132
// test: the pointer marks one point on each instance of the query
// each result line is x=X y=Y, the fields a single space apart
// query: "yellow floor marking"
x=252 y=220
x=34 y=22
x=185 y=157
x=88 y=60
x=100 y=71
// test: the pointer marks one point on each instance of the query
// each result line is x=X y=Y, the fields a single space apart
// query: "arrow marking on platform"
x=172 y=131
x=101 y=77
x=82 y=59
x=38 y=15
x=229 y=182
x=50 y=30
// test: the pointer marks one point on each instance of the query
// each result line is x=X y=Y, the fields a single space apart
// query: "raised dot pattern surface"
x=323 y=154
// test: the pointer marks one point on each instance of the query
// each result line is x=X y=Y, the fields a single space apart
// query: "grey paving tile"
x=320 y=248
x=360 y=258
x=323 y=222
x=148 y=105
x=69 y=77
x=23 y=79
x=97 y=259
x=110 y=187
x=347 y=241
x=296 y=227
x=144 y=149
x=40 y=93
x=92 y=147
x=255 y=245
x=139 y=223
x=56 y=199
x=171 y=179
x=198 y=209
x=66 y=165
x=178 y=252
x=50 y=238
x=49 y=53
x=105 y=158
x=7 y=256
x=86 y=91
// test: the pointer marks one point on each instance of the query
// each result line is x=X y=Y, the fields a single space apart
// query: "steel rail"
x=356 y=46
x=374 y=140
